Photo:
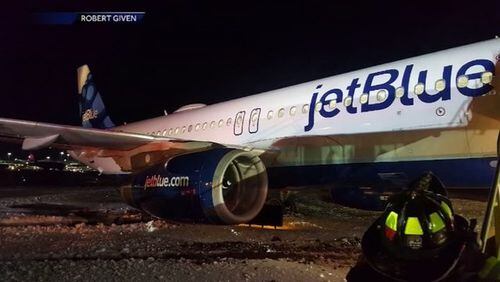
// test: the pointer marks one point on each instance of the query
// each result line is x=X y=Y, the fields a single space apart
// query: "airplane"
x=358 y=133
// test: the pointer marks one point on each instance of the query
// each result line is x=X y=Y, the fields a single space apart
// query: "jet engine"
x=224 y=186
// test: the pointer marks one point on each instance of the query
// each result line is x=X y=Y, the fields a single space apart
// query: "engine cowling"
x=224 y=186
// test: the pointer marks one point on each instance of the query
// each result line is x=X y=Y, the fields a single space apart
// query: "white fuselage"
x=405 y=104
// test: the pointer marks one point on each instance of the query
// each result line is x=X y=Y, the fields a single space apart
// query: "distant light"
x=62 y=153
x=9 y=154
x=47 y=157
x=65 y=160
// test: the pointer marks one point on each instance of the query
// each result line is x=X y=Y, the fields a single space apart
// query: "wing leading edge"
x=37 y=135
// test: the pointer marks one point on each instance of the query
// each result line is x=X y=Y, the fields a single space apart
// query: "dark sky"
x=185 y=52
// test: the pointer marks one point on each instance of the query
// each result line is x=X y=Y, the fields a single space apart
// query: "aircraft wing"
x=37 y=135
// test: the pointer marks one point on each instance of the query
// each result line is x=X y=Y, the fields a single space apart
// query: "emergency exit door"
x=238 y=123
x=253 y=124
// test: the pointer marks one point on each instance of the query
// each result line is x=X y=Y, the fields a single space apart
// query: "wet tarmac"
x=87 y=233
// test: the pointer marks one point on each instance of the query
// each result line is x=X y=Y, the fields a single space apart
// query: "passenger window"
x=270 y=114
x=400 y=91
x=197 y=127
x=229 y=121
x=419 y=88
x=332 y=104
x=363 y=99
x=462 y=81
x=348 y=101
x=221 y=123
x=212 y=124
x=486 y=77
x=254 y=118
x=440 y=85
x=293 y=110
x=204 y=126
x=190 y=128
x=305 y=108
x=381 y=95
x=318 y=106
x=176 y=131
x=281 y=113
x=164 y=132
x=170 y=131
x=184 y=129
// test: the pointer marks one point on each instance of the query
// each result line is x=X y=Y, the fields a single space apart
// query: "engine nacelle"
x=225 y=186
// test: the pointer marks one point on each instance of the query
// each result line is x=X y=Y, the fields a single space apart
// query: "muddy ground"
x=88 y=234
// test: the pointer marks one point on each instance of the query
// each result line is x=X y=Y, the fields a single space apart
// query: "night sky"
x=185 y=52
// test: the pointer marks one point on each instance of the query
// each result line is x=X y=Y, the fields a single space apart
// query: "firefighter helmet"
x=417 y=235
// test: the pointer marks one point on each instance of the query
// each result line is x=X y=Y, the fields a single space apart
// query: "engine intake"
x=225 y=186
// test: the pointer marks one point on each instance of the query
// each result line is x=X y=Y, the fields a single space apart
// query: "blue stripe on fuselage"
x=454 y=173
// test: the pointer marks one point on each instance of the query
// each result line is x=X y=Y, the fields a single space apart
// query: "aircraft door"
x=253 y=124
x=238 y=123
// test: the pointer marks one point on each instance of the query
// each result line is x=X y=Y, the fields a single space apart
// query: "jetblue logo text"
x=390 y=76
x=159 y=181
x=89 y=114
